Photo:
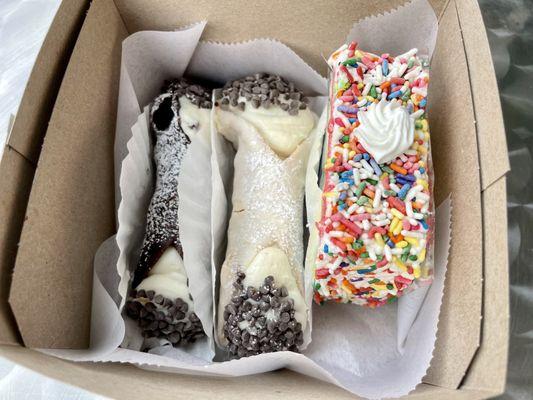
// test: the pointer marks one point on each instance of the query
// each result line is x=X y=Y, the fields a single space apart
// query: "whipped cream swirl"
x=386 y=130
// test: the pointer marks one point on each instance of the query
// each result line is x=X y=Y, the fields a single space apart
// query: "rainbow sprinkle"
x=376 y=225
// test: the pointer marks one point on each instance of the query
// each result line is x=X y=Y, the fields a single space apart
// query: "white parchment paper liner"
x=333 y=356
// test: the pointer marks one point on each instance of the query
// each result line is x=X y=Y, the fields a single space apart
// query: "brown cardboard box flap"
x=43 y=84
x=289 y=22
x=71 y=206
x=119 y=381
x=457 y=168
x=16 y=175
x=493 y=158
x=24 y=143
x=487 y=371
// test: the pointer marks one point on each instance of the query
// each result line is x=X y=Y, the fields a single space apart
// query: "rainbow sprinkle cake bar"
x=377 y=206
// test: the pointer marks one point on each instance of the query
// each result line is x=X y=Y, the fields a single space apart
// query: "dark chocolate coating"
x=170 y=146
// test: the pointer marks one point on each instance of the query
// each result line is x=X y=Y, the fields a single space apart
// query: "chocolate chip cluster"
x=163 y=318
x=261 y=90
x=199 y=95
x=261 y=320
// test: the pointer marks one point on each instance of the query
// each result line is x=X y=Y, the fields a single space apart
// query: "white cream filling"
x=280 y=130
x=168 y=277
x=273 y=261
x=386 y=131
x=195 y=121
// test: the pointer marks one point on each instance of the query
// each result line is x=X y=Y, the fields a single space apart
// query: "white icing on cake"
x=386 y=131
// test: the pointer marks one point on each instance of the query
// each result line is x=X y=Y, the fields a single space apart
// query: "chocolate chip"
x=285 y=306
x=193 y=317
x=256 y=311
x=174 y=338
x=295 y=96
x=260 y=334
x=150 y=294
x=285 y=317
x=231 y=308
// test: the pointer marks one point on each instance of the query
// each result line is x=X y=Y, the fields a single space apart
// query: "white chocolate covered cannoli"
x=261 y=304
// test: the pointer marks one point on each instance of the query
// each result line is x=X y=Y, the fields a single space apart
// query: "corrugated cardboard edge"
x=488 y=368
x=455 y=159
x=492 y=142
x=43 y=84
x=16 y=175
x=58 y=209
x=24 y=143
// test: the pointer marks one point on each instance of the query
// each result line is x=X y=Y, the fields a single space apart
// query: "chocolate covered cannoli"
x=261 y=304
x=160 y=298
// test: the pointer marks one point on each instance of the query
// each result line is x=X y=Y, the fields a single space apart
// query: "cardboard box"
x=70 y=210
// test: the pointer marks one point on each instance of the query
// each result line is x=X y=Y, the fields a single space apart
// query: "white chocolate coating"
x=194 y=120
x=273 y=261
x=280 y=130
x=265 y=232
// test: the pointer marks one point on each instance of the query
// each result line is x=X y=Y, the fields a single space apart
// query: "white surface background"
x=23 y=26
